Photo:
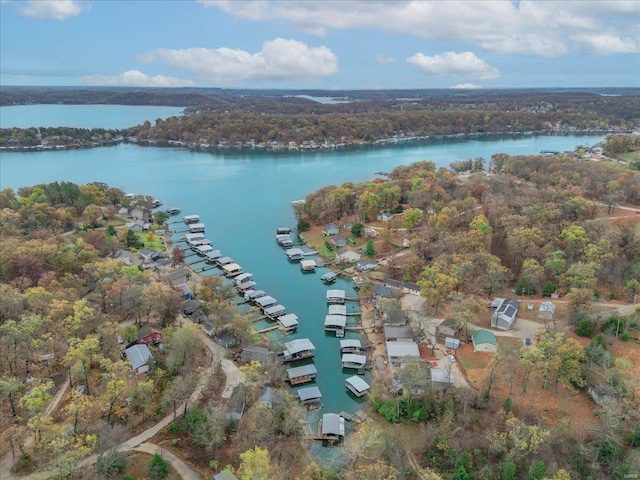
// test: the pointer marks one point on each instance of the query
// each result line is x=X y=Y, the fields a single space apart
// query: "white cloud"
x=606 y=44
x=452 y=64
x=135 y=78
x=279 y=59
x=381 y=58
x=464 y=86
x=53 y=9
x=536 y=27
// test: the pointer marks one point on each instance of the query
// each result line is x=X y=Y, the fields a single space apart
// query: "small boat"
x=173 y=210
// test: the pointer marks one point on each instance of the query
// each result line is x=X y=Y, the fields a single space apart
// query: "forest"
x=74 y=292
x=277 y=119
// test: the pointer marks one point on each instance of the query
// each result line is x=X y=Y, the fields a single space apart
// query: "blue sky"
x=320 y=45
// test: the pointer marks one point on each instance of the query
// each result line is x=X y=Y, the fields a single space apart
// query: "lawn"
x=151 y=241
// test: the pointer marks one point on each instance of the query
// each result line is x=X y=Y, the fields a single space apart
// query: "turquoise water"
x=243 y=198
x=83 y=116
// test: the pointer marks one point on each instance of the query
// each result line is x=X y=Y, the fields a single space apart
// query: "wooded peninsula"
x=512 y=284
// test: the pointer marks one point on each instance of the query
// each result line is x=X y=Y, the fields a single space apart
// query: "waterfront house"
x=254 y=353
x=288 y=322
x=441 y=378
x=176 y=277
x=350 y=346
x=335 y=323
x=298 y=349
x=338 y=241
x=336 y=296
x=353 y=360
x=398 y=333
x=357 y=386
x=139 y=357
x=191 y=306
x=332 y=427
x=330 y=229
x=404 y=287
x=303 y=374
x=484 y=341
x=310 y=396
x=505 y=314
x=397 y=352
x=366 y=265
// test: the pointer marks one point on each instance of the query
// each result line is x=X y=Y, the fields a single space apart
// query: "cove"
x=243 y=198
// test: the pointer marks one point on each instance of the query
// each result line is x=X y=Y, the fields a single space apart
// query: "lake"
x=116 y=117
x=242 y=199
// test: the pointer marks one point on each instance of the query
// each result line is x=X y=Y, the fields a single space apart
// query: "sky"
x=328 y=45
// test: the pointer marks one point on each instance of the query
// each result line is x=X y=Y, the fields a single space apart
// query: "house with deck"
x=255 y=353
x=149 y=335
x=330 y=229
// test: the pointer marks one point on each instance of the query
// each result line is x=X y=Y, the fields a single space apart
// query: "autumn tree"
x=436 y=286
x=412 y=218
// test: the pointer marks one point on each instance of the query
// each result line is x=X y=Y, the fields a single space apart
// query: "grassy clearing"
x=151 y=241
x=629 y=156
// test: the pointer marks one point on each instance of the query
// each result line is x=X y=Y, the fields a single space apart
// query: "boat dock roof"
x=255 y=294
x=266 y=301
x=303 y=371
x=332 y=424
x=191 y=218
x=243 y=277
x=214 y=254
x=284 y=240
x=275 y=311
x=231 y=267
x=329 y=277
x=335 y=295
x=224 y=261
x=190 y=237
x=350 y=343
x=289 y=320
x=354 y=359
x=294 y=252
x=358 y=383
x=337 y=310
x=204 y=249
x=308 y=264
x=299 y=345
x=283 y=230
x=335 y=321
x=309 y=393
